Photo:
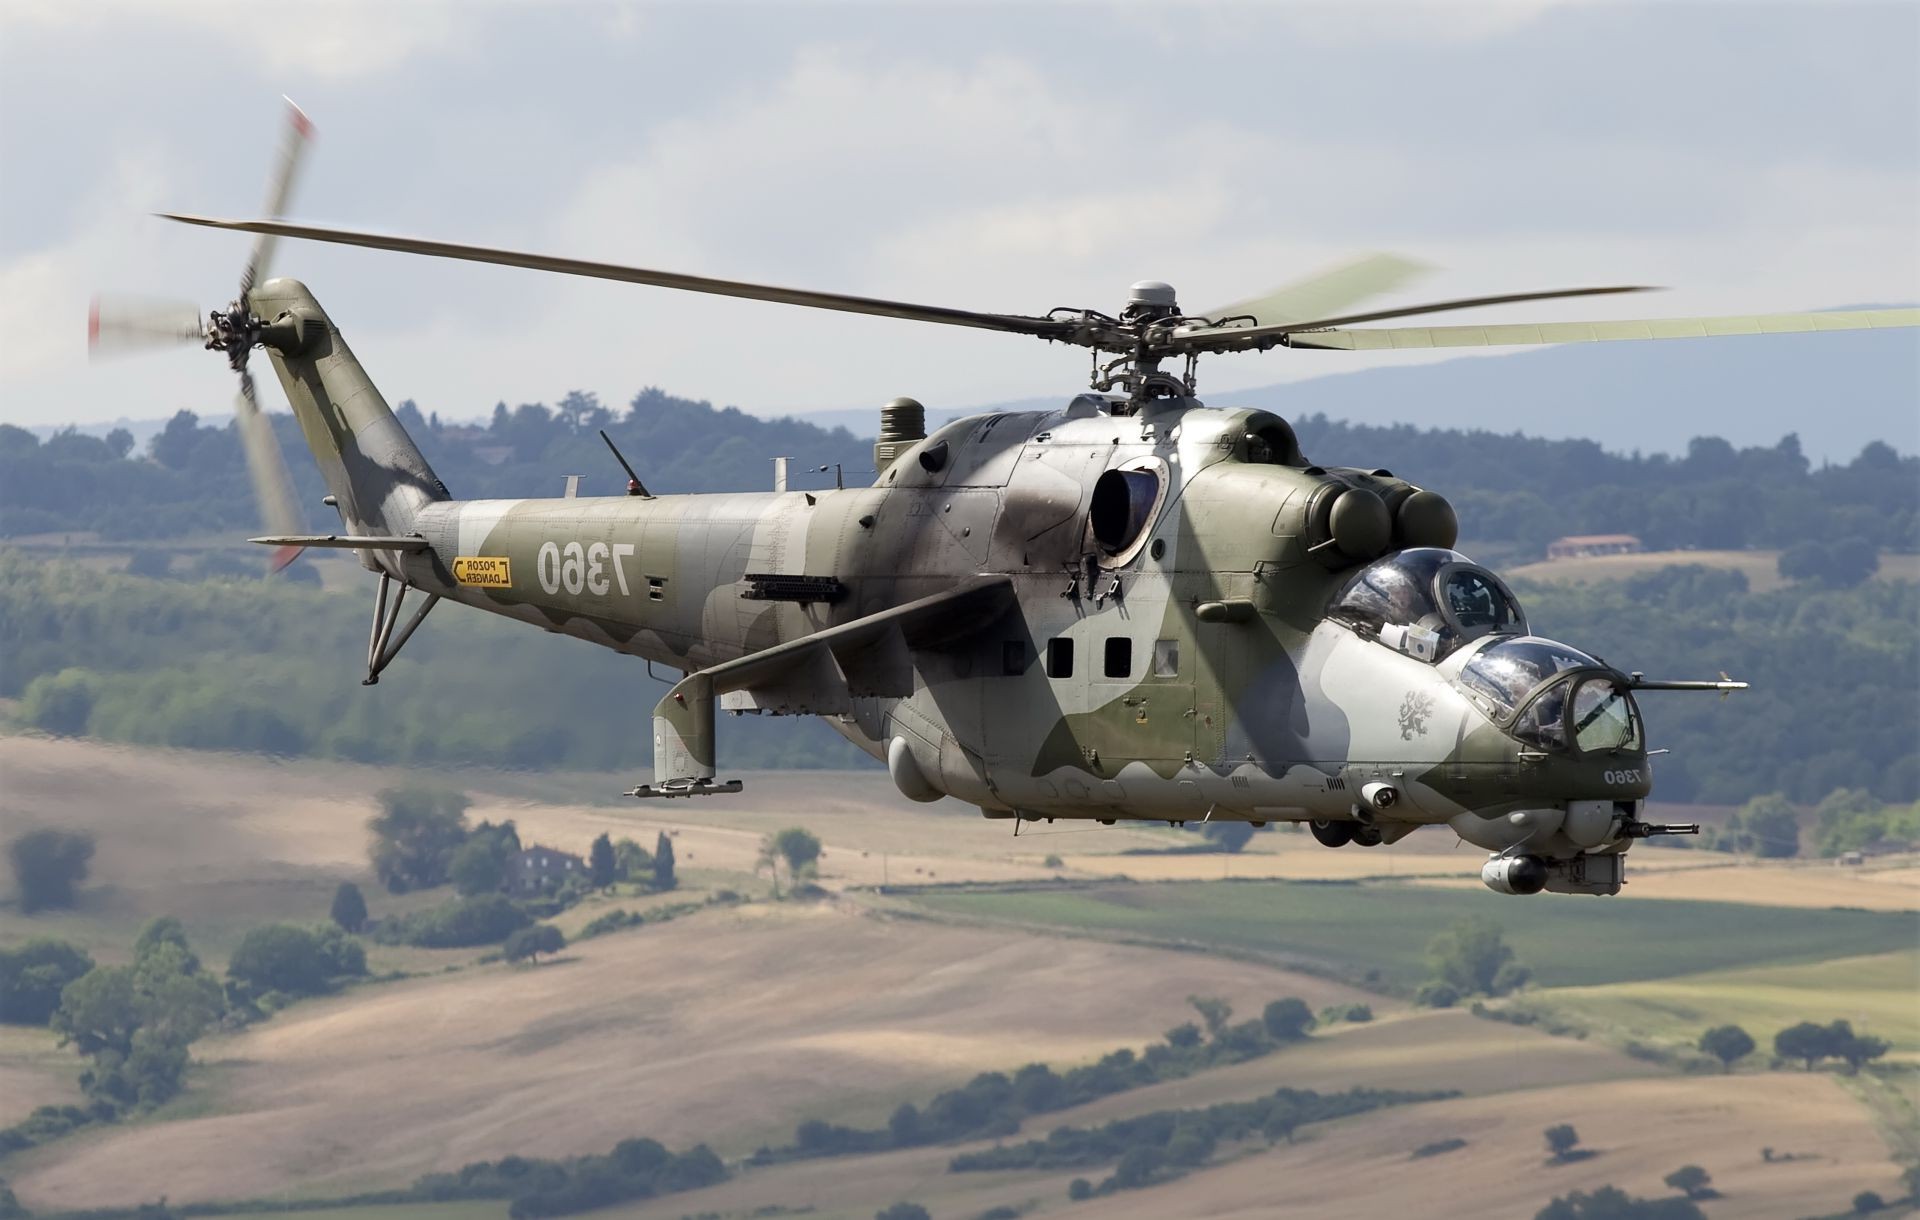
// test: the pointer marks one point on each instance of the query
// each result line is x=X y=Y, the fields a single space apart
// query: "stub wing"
x=819 y=674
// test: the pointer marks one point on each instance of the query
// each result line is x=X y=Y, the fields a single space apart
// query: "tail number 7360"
x=576 y=568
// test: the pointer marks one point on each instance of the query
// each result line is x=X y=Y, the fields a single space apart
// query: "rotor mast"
x=1152 y=306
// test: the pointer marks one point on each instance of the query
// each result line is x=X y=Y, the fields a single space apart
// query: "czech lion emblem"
x=1414 y=710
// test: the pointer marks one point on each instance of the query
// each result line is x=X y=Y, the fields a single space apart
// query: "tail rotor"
x=117 y=324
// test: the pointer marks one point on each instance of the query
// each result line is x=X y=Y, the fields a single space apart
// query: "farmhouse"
x=540 y=870
x=1580 y=546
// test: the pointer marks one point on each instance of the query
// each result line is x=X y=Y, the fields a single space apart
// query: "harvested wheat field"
x=34 y=1072
x=728 y=1026
x=1641 y=1130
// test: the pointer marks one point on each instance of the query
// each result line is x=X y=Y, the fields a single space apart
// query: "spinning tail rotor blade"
x=286 y=169
x=123 y=323
x=1399 y=338
x=267 y=469
x=1327 y=293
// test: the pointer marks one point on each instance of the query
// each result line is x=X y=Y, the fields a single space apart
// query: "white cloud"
x=980 y=178
x=335 y=42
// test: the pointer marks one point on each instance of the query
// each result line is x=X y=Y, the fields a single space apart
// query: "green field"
x=1876 y=993
x=1568 y=941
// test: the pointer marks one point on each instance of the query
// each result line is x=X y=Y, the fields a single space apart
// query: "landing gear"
x=1367 y=836
x=1335 y=834
x=383 y=645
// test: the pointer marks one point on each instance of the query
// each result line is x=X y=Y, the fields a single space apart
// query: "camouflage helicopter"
x=1131 y=606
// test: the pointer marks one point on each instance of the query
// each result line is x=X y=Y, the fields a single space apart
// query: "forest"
x=1513 y=493
x=268 y=666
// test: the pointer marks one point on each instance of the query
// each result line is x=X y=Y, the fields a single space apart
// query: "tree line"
x=995 y=1103
x=1165 y=1144
x=208 y=666
x=1514 y=493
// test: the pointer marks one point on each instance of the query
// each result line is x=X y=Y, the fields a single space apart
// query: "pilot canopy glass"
x=1507 y=671
x=1427 y=602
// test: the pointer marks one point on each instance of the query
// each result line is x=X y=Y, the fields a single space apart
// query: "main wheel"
x=1367 y=836
x=1332 y=834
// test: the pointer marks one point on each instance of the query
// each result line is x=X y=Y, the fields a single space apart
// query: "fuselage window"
x=1119 y=657
x=1013 y=657
x=1166 y=658
x=1060 y=658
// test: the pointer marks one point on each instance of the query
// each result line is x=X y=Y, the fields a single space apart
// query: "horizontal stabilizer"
x=349 y=542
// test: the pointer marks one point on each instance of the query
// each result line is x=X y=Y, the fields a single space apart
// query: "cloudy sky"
x=1755 y=157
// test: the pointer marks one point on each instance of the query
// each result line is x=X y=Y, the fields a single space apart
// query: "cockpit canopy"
x=1517 y=681
x=1427 y=602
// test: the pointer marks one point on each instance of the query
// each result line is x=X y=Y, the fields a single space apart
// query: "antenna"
x=634 y=486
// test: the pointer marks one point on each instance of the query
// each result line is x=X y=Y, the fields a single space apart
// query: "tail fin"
x=379 y=480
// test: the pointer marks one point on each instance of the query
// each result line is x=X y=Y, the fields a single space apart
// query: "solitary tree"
x=799 y=848
x=601 y=867
x=1806 y=1042
x=48 y=866
x=1692 y=1181
x=415 y=835
x=530 y=943
x=1856 y=1049
x=1287 y=1020
x=1474 y=958
x=349 y=907
x=1727 y=1043
x=663 y=875
x=1561 y=1140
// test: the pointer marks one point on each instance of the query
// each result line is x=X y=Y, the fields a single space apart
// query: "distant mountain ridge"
x=1838 y=390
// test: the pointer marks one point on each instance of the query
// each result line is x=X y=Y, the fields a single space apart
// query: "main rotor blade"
x=1018 y=324
x=1401 y=338
x=1230 y=338
x=1325 y=293
x=293 y=146
x=267 y=469
x=124 y=323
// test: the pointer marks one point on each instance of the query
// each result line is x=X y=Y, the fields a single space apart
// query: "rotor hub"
x=234 y=331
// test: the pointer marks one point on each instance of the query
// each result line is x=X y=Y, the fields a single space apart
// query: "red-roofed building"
x=1580 y=546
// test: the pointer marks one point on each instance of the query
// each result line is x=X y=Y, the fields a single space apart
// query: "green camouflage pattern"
x=1208 y=680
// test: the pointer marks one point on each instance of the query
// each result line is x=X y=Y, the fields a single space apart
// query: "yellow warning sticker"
x=486 y=571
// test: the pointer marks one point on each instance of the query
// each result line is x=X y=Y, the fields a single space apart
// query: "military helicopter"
x=1131 y=606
